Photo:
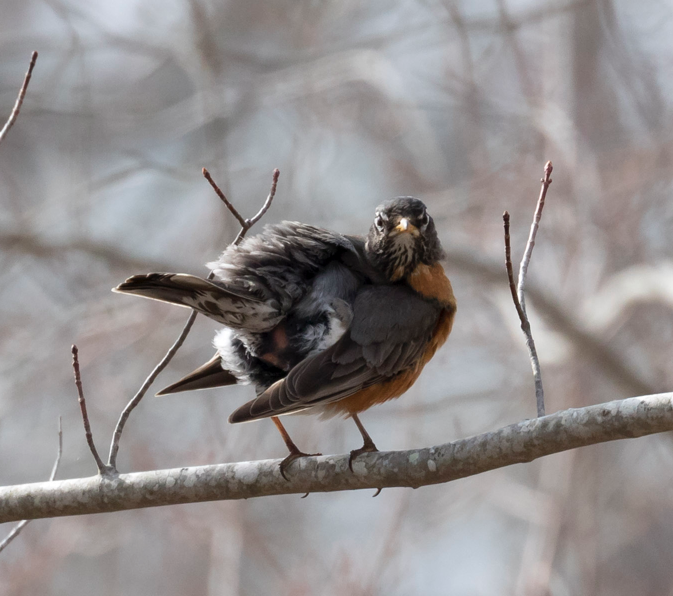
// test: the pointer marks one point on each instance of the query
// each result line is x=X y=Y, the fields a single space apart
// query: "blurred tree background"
x=459 y=103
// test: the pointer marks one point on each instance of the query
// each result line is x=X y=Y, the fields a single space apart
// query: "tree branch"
x=19 y=100
x=517 y=443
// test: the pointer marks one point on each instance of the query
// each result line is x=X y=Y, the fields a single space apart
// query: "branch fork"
x=517 y=290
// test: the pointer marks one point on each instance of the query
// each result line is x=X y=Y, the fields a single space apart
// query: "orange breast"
x=430 y=282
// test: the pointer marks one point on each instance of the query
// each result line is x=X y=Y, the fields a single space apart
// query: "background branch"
x=518 y=443
x=43 y=248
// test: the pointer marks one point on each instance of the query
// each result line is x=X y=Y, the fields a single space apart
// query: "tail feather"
x=210 y=375
x=232 y=307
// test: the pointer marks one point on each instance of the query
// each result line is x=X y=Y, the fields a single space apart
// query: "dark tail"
x=211 y=374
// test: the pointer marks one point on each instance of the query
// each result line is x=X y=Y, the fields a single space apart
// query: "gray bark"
x=517 y=443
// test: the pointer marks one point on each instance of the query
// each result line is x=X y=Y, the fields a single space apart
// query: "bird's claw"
x=290 y=458
x=366 y=448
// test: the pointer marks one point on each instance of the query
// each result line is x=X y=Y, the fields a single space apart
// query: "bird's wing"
x=233 y=306
x=281 y=261
x=391 y=328
x=257 y=282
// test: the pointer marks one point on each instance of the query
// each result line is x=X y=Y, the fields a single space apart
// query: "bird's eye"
x=378 y=222
x=425 y=220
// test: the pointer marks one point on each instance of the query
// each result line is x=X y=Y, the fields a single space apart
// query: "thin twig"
x=246 y=224
x=518 y=292
x=22 y=524
x=102 y=469
x=510 y=274
x=269 y=199
x=19 y=100
x=114 y=447
x=54 y=469
x=216 y=188
x=525 y=261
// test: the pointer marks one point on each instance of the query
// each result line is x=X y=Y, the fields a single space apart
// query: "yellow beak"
x=405 y=226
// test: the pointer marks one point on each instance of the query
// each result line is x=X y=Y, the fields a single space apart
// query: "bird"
x=319 y=322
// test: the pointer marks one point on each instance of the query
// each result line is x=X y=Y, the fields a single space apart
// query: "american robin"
x=317 y=321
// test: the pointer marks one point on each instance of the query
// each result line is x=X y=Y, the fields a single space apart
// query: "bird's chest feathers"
x=431 y=282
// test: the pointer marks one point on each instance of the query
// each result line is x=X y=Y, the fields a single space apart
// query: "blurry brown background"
x=458 y=103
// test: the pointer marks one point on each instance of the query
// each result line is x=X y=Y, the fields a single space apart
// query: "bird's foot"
x=368 y=447
x=290 y=458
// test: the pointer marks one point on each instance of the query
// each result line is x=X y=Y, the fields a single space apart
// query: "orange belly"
x=430 y=282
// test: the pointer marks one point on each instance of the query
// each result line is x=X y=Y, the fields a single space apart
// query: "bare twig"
x=510 y=275
x=269 y=199
x=525 y=261
x=19 y=100
x=246 y=224
x=114 y=446
x=54 y=468
x=22 y=524
x=522 y=442
x=102 y=468
x=518 y=293
x=234 y=211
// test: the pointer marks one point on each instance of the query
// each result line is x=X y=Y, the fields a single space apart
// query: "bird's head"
x=402 y=237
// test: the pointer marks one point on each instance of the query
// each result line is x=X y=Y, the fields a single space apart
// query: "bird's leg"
x=295 y=453
x=368 y=446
